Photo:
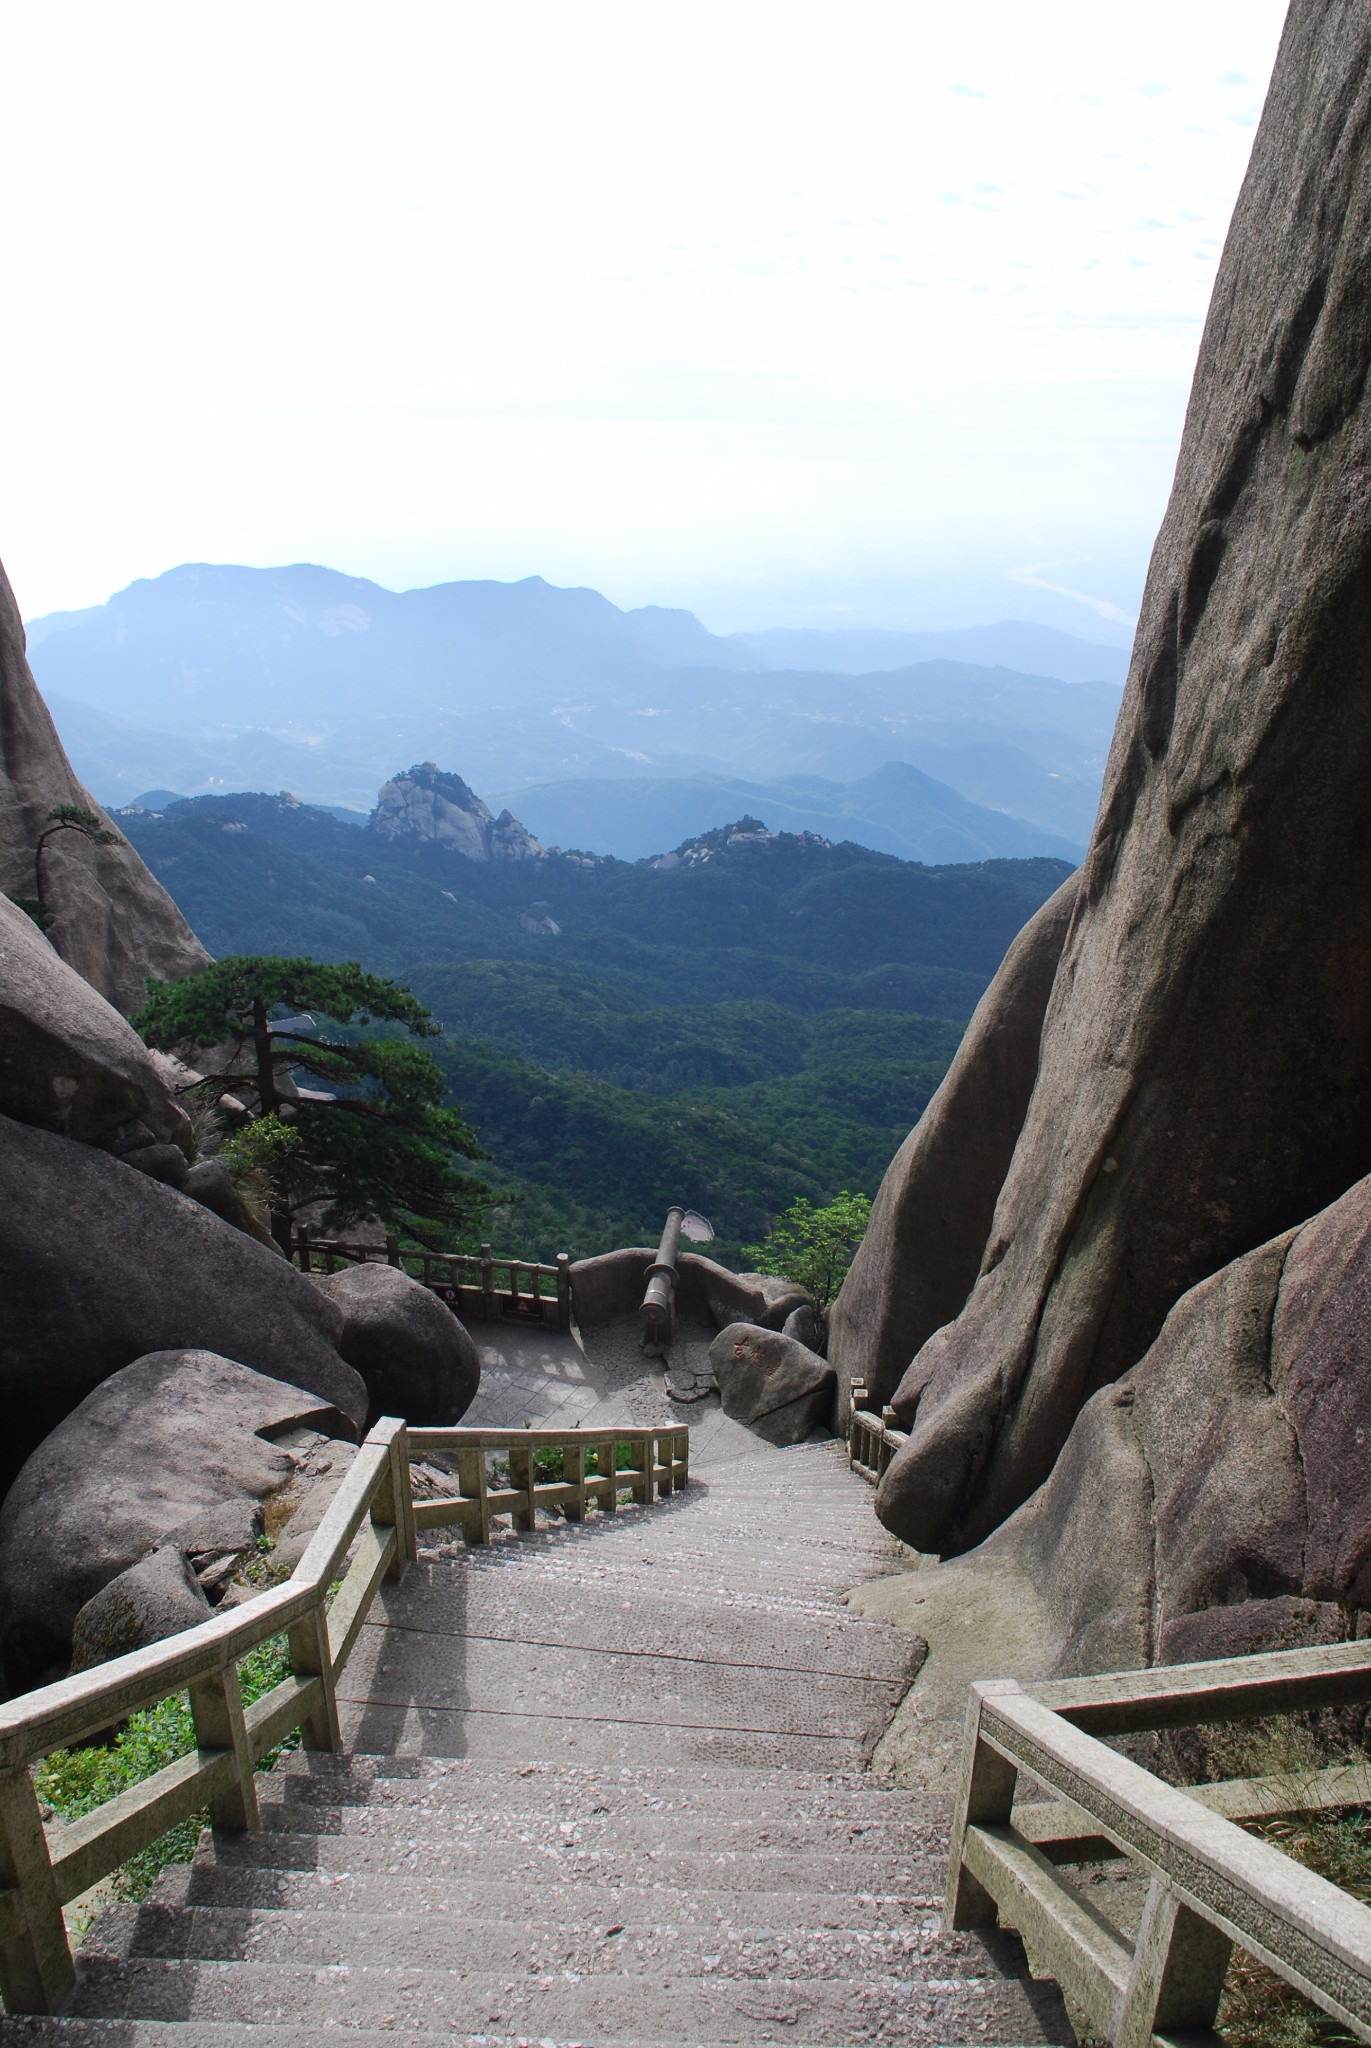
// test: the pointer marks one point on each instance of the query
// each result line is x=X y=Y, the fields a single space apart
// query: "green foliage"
x=377 y=1141
x=83 y=820
x=61 y=818
x=549 y=1463
x=829 y=1099
x=734 y=1035
x=223 y=1000
x=789 y=923
x=259 y=1143
x=75 y=1781
x=31 y=907
x=814 y=1247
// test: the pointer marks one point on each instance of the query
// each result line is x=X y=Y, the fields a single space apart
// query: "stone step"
x=344 y=1778
x=270 y=1889
x=409 y=1667
x=604 y=1787
x=67 y=2032
x=605 y=1741
x=440 y=1857
x=747 y=1950
x=720 y=1780
x=541 y=1796
x=809 y=1575
x=950 y=2000
x=590 y=1552
x=711 y=1625
x=590 y=1827
x=690 y=1524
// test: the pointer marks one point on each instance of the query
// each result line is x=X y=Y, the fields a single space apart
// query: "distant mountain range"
x=216 y=678
x=1011 y=643
x=897 y=810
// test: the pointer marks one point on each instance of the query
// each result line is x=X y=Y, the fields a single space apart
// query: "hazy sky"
x=862 y=312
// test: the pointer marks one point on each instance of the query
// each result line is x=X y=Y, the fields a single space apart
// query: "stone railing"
x=472 y=1283
x=367 y=1534
x=1213 y=1885
x=872 y=1440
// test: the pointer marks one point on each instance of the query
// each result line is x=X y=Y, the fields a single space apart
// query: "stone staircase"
x=602 y=1785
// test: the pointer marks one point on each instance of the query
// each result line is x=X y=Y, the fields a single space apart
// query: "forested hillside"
x=759 y=1019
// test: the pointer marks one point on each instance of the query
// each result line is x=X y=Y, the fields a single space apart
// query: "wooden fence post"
x=574 y=1473
x=216 y=1708
x=564 y=1303
x=609 y=1462
x=522 y=1473
x=471 y=1477
x=302 y=1236
x=985 y=1798
x=394 y=1502
x=856 y=1396
x=1179 y=1964
x=487 y=1284
x=36 y=1970
x=310 y=1657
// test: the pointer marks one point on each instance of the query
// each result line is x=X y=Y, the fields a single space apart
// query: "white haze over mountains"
x=616 y=731
x=795 y=313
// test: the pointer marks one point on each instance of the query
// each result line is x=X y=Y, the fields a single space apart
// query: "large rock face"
x=1203 y=1080
x=417 y=1359
x=773 y=1383
x=173 y=1449
x=154 y=1598
x=68 y=1060
x=431 y=803
x=1214 y=1501
x=930 y=1220
x=112 y=922
x=99 y=1264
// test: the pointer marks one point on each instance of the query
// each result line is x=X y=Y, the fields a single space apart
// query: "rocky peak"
x=108 y=918
x=728 y=839
x=429 y=802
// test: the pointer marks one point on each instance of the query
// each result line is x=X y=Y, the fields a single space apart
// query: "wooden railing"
x=473 y=1283
x=1213 y=1884
x=659 y=1464
x=872 y=1440
x=368 y=1533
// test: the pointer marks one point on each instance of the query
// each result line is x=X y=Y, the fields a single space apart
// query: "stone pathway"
x=603 y=1786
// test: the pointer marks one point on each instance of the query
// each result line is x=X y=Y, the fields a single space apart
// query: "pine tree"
x=373 y=1140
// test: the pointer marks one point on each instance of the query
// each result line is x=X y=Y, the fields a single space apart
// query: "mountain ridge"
x=840 y=650
x=214 y=677
x=748 y=1027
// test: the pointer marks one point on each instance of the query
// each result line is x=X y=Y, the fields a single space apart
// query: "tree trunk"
x=268 y=1102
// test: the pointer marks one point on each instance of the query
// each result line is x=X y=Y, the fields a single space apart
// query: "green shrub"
x=814 y=1247
x=1259 y=2009
x=75 y=1781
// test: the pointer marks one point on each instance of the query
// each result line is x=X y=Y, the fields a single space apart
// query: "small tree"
x=375 y=1142
x=62 y=818
x=814 y=1247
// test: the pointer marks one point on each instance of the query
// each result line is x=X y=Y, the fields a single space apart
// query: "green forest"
x=734 y=1033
